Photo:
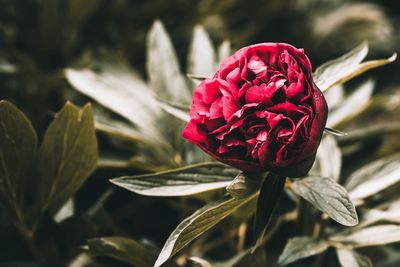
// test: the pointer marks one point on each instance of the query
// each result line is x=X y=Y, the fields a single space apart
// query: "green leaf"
x=374 y=177
x=372 y=216
x=350 y=258
x=198 y=223
x=123 y=249
x=18 y=148
x=189 y=180
x=267 y=202
x=178 y=111
x=328 y=162
x=334 y=132
x=346 y=67
x=333 y=71
x=327 y=196
x=353 y=105
x=117 y=87
x=67 y=156
x=163 y=68
x=224 y=51
x=201 y=54
x=370 y=236
x=117 y=128
x=301 y=247
x=197 y=262
x=245 y=184
x=334 y=96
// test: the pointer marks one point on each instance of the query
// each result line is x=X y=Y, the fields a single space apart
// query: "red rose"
x=261 y=111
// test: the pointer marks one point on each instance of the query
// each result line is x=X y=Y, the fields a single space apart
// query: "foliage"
x=186 y=209
x=37 y=181
x=321 y=188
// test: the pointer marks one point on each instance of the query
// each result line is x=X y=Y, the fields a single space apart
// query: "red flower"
x=261 y=111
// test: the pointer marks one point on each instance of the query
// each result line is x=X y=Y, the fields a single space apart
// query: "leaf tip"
x=114 y=181
x=364 y=46
x=157 y=26
x=160 y=260
x=393 y=57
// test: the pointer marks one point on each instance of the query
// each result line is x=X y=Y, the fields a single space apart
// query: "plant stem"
x=267 y=202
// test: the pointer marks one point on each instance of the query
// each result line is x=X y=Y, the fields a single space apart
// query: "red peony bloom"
x=261 y=111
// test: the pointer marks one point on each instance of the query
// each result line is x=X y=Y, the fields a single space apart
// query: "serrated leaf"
x=328 y=162
x=120 y=89
x=267 y=202
x=350 y=258
x=18 y=149
x=192 y=179
x=123 y=249
x=327 y=196
x=371 y=236
x=67 y=156
x=201 y=54
x=301 y=247
x=198 y=223
x=374 y=177
x=346 y=67
x=163 y=67
x=353 y=105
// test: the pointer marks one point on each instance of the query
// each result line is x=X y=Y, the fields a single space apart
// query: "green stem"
x=267 y=202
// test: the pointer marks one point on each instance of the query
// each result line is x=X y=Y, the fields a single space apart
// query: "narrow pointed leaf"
x=335 y=70
x=178 y=111
x=198 y=223
x=201 y=54
x=224 y=51
x=301 y=247
x=363 y=67
x=327 y=196
x=67 y=156
x=371 y=236
x=163 y=68
x=335 y=132
x=118 y=128
x=192 y=179
x=374 y=177
x=197 y=78
x=350 y=258
x=372 y=216
x=267 y=202
x=353 y=105
x=347 y=67
x=120 y=89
